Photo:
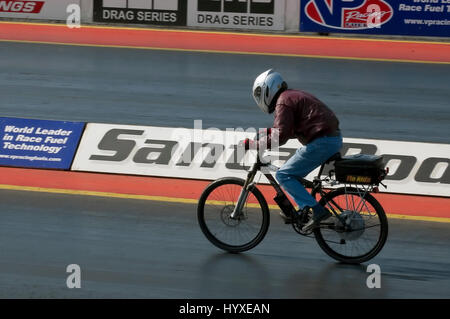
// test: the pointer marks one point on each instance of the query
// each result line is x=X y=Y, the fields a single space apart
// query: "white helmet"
x=266 y=86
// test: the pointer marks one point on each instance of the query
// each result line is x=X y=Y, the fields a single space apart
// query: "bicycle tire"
x=233 y=248
x=326 y=245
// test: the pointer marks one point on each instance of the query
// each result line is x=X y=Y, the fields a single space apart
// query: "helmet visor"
x=257 y=94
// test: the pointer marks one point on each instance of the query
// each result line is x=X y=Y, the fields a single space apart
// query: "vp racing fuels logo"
x=349 y=14
x=15 y=6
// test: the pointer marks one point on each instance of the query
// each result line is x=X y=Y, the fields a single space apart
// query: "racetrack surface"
x=148 y=249
x=382 y=100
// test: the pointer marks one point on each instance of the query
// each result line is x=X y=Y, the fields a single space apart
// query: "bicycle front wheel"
x=215 y=206
x=367 y=226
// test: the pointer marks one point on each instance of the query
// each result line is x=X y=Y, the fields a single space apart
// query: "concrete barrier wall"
x=56 y=10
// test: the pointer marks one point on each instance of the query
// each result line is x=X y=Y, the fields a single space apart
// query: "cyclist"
x=300 y=115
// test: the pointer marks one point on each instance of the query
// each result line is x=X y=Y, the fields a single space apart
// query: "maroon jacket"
x=300 y=114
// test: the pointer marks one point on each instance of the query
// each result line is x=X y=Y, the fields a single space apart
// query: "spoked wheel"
x=214 y=210
x=361 y=230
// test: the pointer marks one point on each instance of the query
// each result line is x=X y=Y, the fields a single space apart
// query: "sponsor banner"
x=393 y=17
x=38 y=143
x=40 y=9
x=415 y=168
x=237 y=14
x=157 y=12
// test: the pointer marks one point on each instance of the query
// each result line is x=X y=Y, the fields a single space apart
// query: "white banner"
x=234 y=14
x=415 y=168
x=40 y=9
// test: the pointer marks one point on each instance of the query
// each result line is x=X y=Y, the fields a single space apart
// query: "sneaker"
x=289 y=219
x=319 y=214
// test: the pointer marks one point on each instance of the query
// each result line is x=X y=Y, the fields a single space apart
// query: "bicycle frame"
x=249 y=182
x=315 y=185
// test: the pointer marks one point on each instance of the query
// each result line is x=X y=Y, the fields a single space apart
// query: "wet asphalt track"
x=145 y=249
x=131 y=248
x=383 y=100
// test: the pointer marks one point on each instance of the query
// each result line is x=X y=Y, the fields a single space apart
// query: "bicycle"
x=234 y=215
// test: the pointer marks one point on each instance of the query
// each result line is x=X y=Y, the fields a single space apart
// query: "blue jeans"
x=304 y=161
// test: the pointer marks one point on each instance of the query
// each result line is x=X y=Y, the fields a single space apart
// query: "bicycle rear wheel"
x=368 y=226
x=215 y=207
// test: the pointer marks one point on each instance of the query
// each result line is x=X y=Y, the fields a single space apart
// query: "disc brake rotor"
x=225 y=215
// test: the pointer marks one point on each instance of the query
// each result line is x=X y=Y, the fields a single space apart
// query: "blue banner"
x=38 y=143
x=389 y=17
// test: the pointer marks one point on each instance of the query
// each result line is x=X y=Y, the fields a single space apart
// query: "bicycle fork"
x=237 y=211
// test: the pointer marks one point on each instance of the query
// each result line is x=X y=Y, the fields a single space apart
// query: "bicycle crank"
x=300 y=221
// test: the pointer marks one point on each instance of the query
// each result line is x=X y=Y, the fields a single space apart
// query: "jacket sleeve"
x=284 y=123
x=283 y=127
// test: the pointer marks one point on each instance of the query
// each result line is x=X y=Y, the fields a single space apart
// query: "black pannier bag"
x=360 y=169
